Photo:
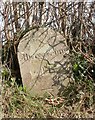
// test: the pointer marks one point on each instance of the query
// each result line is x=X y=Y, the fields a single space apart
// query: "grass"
x=18 y=103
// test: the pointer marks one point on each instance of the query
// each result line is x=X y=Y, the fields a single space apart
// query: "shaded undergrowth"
x=17 y=102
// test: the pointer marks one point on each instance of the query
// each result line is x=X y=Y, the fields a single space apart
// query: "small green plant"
x=79 y=67
x=5 y=74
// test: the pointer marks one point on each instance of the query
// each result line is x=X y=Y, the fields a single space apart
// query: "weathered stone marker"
x=38 y=50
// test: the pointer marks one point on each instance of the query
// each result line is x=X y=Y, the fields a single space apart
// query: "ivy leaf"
x=75 y=67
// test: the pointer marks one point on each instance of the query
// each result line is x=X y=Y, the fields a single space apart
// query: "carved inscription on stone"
x=38 y=50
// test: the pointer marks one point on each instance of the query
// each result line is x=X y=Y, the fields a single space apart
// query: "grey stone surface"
x=37 y=53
